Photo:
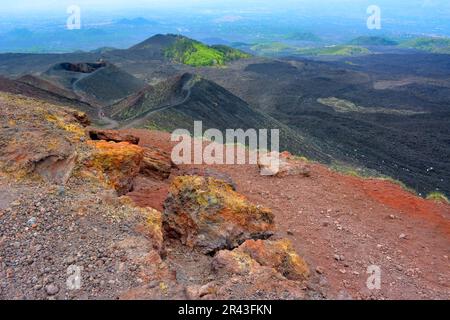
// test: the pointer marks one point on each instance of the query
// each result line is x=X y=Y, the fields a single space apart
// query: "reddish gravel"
x=341 y=225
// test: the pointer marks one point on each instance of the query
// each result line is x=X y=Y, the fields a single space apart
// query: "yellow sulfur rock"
x=207 y=213
x=115 y=163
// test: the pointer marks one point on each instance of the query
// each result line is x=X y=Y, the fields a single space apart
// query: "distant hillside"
x=373 y=41
x=339 y=50
x=156 y=42
x=31 y=87
x=272 y=48
x=429 y=44
x=180 y=49
x=164 y=93
x=102 y=82
x=43 y=84
x=195 y=53
x=102 y=50
x=304 y=36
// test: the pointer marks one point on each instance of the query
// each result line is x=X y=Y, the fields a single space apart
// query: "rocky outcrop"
x=207 y=214
x=56 y=169
x=262 y=283
x=279 y=254
x=260 y=269
x=209 y=173
x=38 y=138
x=82 y=118
x=282 y=164
x=116 y=164
x=112 y=135
x=156 y=164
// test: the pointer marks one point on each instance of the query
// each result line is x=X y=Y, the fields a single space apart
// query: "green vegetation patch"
x=437 y=196
x=429 y=44
x=272 y=48
x=197 y=54
x=340 y=50
x=373 y=41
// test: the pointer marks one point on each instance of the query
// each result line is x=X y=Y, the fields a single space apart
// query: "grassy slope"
x=340 y=50
x=194 y=53
x=276 y=48
x=434 y=45
x=373 y=41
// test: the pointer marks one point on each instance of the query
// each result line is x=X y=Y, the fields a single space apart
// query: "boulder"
x=263 y=283
x=113 y=135
x=279 y=254
x=234 y=262
x=257 y=269
x=156 y=164
x=81 y=118
x=282 y=164
x=208 y=172
x=117 y=164
x=208 y=214
x=56 y=169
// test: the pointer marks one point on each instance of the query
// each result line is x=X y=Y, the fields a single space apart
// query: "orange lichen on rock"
x=207 y=213
x=115 y=163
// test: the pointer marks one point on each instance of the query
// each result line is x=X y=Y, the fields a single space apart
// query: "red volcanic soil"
x=342 y=225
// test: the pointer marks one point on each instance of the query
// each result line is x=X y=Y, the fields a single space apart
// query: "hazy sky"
x=105 y=5
x=398 y=10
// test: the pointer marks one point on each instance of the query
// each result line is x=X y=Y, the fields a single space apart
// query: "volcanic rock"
x=117 y=164
x=257 y=269
x=210 y=173
x=112 y=135
x=282 y=164
x=206 y=213
x=156 y=163
x=39 y=138
x=279 y=255
x=154 y=227
x=82 y=118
